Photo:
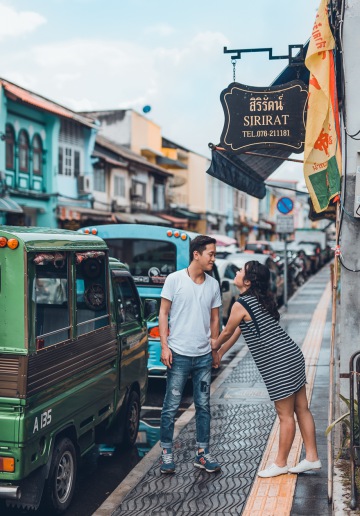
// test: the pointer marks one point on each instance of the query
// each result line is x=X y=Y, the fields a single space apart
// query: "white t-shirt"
x=190 y=312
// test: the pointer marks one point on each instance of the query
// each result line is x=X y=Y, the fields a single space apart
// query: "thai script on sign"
x=264 y=104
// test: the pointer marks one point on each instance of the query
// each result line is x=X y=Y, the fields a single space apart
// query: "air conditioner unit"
x=137 y=190
x=84 y=184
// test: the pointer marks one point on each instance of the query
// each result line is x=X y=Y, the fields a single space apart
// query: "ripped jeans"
x=200 y=370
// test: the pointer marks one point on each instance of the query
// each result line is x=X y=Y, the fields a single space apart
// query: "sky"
x=116 y=54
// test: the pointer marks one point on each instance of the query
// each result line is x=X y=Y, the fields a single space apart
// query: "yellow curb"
x=274 y=496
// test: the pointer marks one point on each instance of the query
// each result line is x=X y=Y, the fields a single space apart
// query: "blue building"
x=45 y=161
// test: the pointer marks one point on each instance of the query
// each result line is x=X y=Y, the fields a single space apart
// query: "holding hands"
x=215 y=354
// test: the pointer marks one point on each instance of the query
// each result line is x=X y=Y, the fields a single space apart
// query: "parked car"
x=227 y=272
x=223 y=251
x=276 y=279
x=259 y=246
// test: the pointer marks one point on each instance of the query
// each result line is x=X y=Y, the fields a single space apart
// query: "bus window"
x=91 y=292
x=50 y=293
x=127 y=300
x=149 y=261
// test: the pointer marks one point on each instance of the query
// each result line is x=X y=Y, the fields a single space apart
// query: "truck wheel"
x=132 y=419
x=60 y=485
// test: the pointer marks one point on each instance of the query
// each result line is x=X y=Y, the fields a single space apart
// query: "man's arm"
x=214 y=323
x=166 y=355
x=214 y=329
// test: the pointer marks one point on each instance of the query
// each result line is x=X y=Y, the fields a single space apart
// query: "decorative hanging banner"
x=322 y=155
x=272 y=117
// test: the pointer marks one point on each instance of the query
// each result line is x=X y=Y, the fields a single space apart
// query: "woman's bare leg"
x=285 y=411
x=306 y=424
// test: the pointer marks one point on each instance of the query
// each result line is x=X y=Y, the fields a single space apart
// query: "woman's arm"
x=237 y=314
x=229 y=343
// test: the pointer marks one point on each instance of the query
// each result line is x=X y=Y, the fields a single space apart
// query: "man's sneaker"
x=167 y=463
x=205 y=461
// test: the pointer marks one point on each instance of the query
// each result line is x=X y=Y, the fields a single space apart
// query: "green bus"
x=73 y=360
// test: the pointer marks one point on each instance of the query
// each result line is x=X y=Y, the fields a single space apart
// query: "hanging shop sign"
x=272 y=117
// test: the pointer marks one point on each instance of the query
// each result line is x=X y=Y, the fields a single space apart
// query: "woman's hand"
x=216 y=359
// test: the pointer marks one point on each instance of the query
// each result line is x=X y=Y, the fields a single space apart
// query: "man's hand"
x=166 y=357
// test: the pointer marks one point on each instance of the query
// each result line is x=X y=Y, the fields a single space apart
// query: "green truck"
x=73 y=360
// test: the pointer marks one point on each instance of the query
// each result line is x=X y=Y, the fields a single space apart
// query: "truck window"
x=127 y=300
x=91 y=291
x=50 y=293
x=149 y=261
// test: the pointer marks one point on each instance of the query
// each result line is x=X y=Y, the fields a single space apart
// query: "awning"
x=111 y=161
x=81 y=214
x=9 y=206
x=176 y=221
x=230 y=169
x=187 y=214
x=141 y=218
x=224 y=240
x=172 y=163
x=212 y=219
x=264 y=225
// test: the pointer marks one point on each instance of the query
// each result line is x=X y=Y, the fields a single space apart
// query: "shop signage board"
x=285 y=224
x=271 y=117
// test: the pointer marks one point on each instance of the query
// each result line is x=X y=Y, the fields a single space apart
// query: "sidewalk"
x=244 y=437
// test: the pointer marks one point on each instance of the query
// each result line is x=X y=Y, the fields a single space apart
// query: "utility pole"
x=348 y=314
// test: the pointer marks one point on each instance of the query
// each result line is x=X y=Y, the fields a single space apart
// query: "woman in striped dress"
x=279 y=360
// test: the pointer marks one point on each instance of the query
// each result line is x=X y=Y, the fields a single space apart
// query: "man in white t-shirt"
x=188 y=319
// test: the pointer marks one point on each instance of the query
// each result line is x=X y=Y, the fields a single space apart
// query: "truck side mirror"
x=225 y=286
x=150 y=308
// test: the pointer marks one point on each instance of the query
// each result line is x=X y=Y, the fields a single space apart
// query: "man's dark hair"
x=199 y=244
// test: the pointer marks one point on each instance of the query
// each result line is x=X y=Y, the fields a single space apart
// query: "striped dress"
x=278 y=358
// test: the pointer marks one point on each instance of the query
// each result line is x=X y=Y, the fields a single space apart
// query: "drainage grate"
x=239 y=437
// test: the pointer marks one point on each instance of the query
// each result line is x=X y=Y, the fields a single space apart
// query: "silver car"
x=276 y=279
x=227 y=272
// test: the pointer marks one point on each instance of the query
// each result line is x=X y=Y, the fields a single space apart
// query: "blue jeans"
x=200 y=370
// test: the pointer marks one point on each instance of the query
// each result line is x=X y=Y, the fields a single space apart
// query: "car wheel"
x=60 y=485
x=132 y=419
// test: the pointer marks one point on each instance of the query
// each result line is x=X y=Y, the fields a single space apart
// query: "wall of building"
x=197 y=166
x=116 y=126
x=145 y=134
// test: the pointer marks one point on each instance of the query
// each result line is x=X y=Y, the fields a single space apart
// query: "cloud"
x=16 y=23
x=162 y=29
x=91 y=74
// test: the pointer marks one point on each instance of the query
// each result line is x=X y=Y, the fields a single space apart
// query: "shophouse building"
x=45 y=160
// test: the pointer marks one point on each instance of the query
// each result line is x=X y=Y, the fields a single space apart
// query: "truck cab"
x=73 y=360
